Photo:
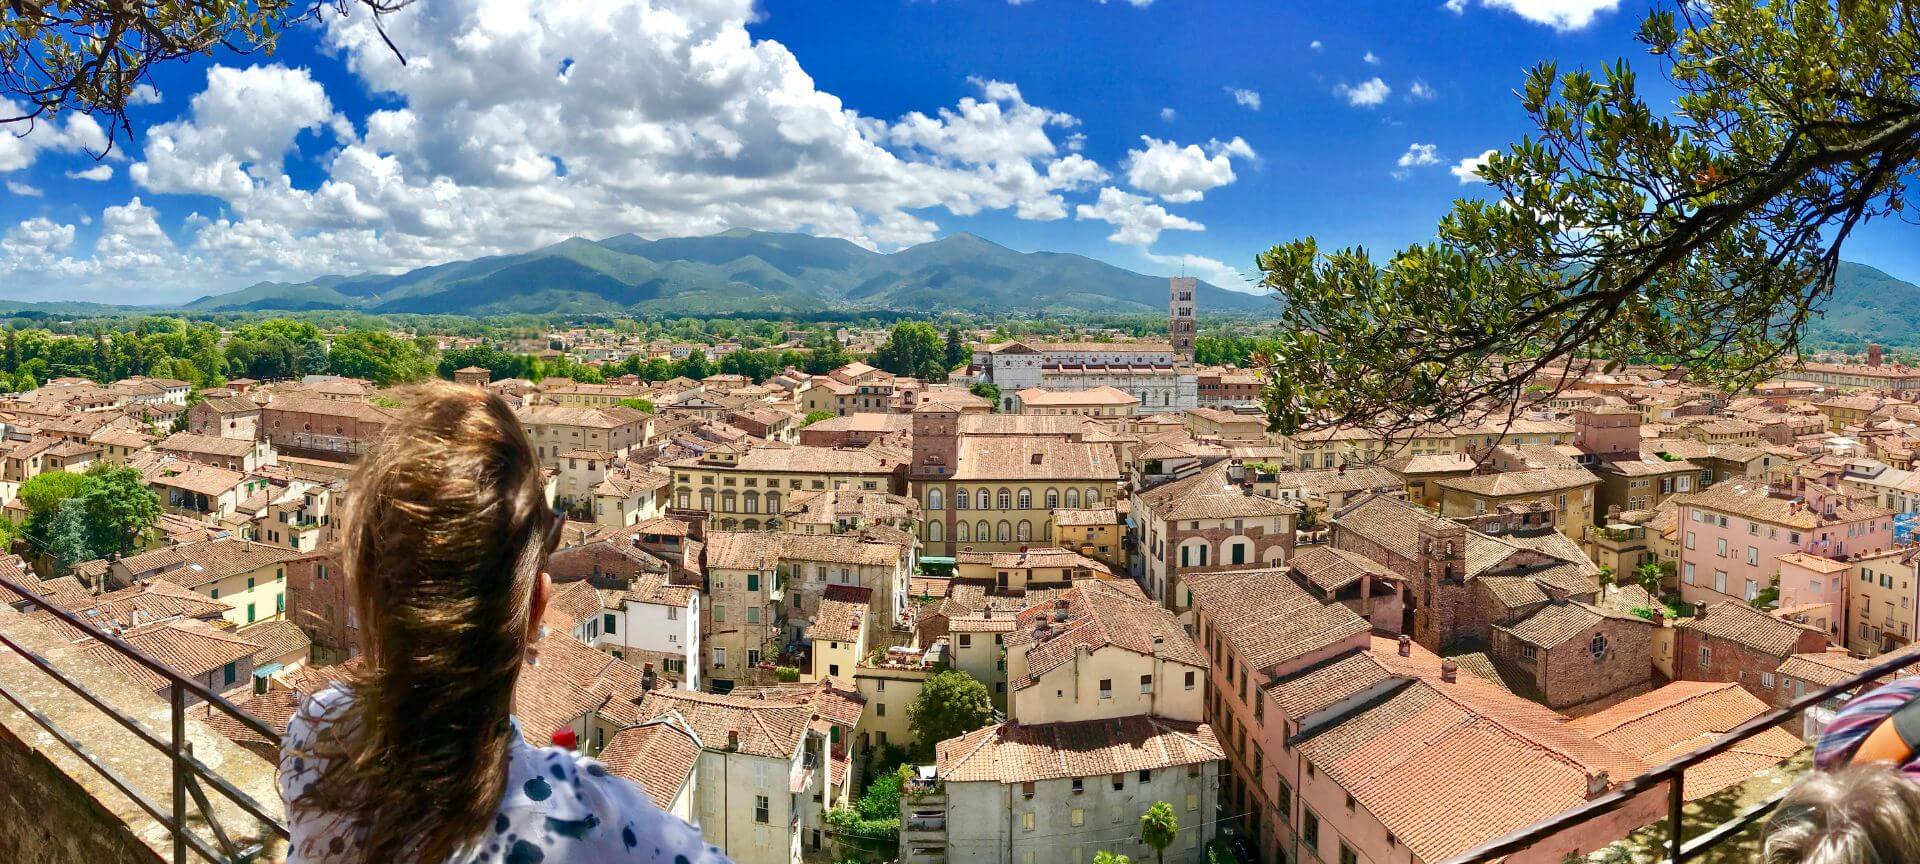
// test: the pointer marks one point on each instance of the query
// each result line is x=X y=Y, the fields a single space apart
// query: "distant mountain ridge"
x=742 y=271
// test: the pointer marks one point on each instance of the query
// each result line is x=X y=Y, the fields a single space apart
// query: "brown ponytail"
x=445 y=535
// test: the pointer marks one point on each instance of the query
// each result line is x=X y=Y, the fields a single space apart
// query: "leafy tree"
x=1706 y=236
x=696 y=366
x=43 y=492
x=637 y=404
x=379 y=357
x=950 y=704
x=825 y=357
x=957 y=354
x=1158 y=828
x=118 y=506
x=988 y=391
x=1650 y=575
x=815 y=417
x=910 y=348
x=66 y=540
x=1105 y=857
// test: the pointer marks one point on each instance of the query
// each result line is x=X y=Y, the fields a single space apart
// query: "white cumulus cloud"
x=1467 y=169
x=1370 y=58
x=1365 y=94
x=1180 y=174
x=1211 y=270
x=1417 y=156
x=1244 y=97
x=1558 y=14
x=1420 y=90
x=98 y=174
x=1136 y=219
x=1168 y=114
x=23 y=190
x=670 y=119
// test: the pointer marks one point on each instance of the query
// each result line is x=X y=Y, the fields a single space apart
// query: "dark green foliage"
x=952 y=703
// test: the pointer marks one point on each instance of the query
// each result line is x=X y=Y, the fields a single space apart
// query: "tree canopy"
x=1706 y=235
x=1159 y=826
x=913 y=348
x=950 y=704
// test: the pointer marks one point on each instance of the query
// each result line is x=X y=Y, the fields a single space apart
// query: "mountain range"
x=743 y=271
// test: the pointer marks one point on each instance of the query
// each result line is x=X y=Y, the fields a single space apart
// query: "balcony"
x=1700 y=833
x=106 y=787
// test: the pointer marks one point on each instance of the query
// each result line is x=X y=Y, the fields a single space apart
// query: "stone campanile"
x=1181 y=291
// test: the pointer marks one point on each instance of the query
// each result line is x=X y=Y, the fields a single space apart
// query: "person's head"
x=445 y=542
x=1865 y=814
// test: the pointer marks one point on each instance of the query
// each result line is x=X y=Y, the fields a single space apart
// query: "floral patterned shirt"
x=559 y=807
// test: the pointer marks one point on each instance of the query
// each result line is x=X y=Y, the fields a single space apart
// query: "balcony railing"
x=188 y=772
x=1679 y=848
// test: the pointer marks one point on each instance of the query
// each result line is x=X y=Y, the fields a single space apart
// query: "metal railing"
x=187 y=771
x=1678 y=847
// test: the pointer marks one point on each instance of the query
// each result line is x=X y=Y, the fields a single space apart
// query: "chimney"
x=733 y=739
x=1659 y=616
x=1449 y=671
x=1597 y=784
x=647 y=677
x=1700 y=610
x=1406 y=645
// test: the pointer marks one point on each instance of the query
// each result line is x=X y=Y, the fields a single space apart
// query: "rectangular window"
x=761 y=808
x=1078 y=817
x=610 y=623
x=1106 y=688
x=1189 y=679
x=1720 y=581
x=719 y=657
x=1026 y=821
x=1146 y=683
x=1310 y=831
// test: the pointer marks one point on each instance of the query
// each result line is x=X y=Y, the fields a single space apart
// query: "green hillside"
x=742 y=271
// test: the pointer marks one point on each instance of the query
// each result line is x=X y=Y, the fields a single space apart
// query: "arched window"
x=960 y=501
x=1026 y=499
x=751 y=524
x=729 y=502
x=752 y=501
x=936 y=532
x=1046 y=529
x=1073 y=498
x=1024 y=531
x=1093 y=497
x=773 y=524
x=1053 y=497
x=982 y=532
x=1005 y=500
x=1005 y=532
x=728 y=523
x=935 y=500
x=962 y=531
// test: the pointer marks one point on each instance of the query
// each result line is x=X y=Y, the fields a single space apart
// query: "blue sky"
x=1157 y=135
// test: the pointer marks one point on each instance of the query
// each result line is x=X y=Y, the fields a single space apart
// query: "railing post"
x=1676 y=801
x=178 y=697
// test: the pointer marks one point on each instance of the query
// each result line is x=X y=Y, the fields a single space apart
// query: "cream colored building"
x=1883 y=607
x=747 y=488
x=1569 y=492
x=251 y=578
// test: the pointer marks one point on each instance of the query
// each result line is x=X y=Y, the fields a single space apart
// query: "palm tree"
x=1158 y=827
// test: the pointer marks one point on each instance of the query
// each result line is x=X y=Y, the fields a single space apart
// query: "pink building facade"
x=1732 y=535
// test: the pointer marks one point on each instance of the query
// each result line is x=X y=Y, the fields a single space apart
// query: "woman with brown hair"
x=417 y=758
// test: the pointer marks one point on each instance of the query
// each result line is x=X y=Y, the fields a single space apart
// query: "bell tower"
x=1181 y=291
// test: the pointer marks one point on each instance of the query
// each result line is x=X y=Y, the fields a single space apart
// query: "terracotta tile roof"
x=275 y=708
x=1010 y=753
x=1825 y=668
x=363 y=412
x=191 y=565
x=1040 y=558
x=1017 y=459
x=1331 y=569
x=192 y=476
x=1065 y=517
x=650 y=588
x=1684 y=716
x=1754 y=503
x=231 y=405
x=277 y=639
x=189 y=647
x=1078 y=618
x=768 y=721
x=211 y=445
x=1508 y=483
x=1208 y=495
x=1268 y=617
x=1553 y=624
x=658 y=755
x=1737 y=622
x=570 y=604
x=1445 y=766
x=755 y=550
x=570 y=415
x=843 y=609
